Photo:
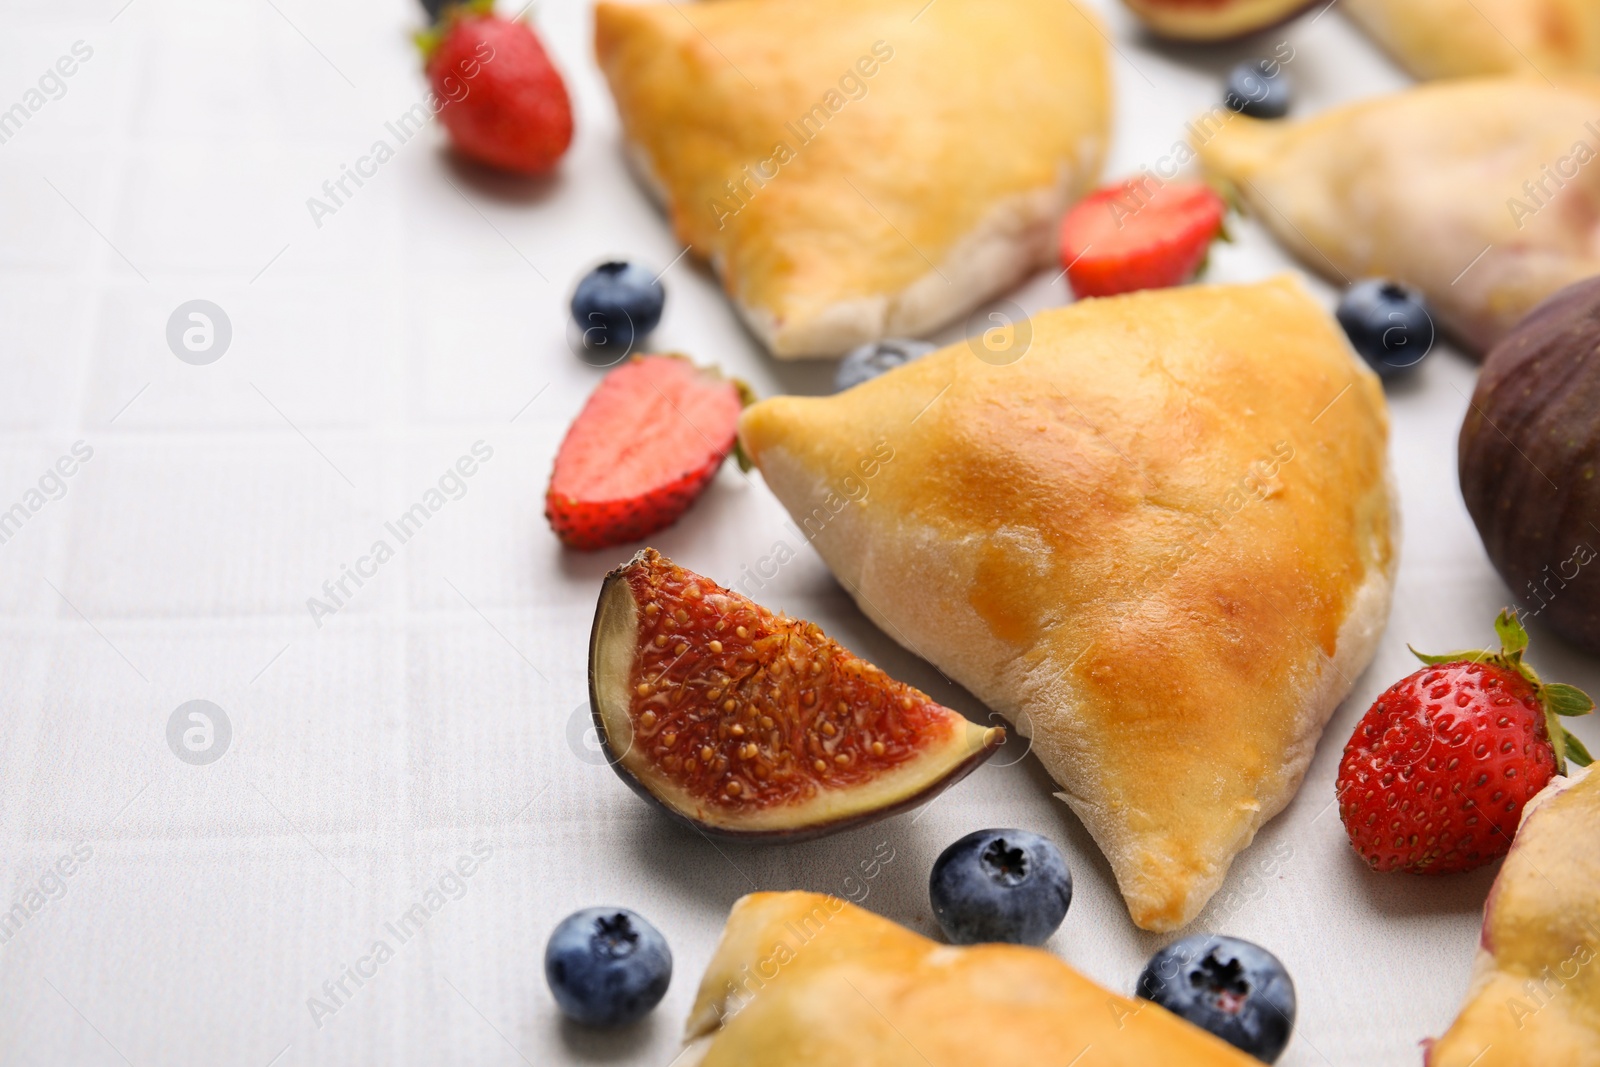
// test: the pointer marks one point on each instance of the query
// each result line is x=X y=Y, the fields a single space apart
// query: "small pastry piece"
x=1461 y=38
x=860 y=169
x=1212 y=20
x=1156 y=537
x=1535 y=995
x=1481 y=193
x=804 y=980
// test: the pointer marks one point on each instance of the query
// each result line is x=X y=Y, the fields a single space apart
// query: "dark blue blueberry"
x=607 y=967
x=1236 y=990
x=436 y=8
x=616 y=305
x=1259 y=90
x=1000 y=885
x=870 y=360
x=1388 y=324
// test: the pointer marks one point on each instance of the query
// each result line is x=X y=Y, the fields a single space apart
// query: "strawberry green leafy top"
x=1556 y=698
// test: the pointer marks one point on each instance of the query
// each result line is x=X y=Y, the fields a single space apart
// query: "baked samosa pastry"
x=804 y=980
x=1535 y=996
x=1478 y=192
x=856 y=169
x=1160 y=543
x=1461 y=38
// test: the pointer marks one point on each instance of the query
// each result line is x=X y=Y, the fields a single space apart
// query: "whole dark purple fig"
x=1528 y=455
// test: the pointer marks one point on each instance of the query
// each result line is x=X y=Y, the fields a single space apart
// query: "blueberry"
x=1000 y=885
x=436 y=8
x=615 y=305
x=1388 y=324
x=1259 y=90
x=870 y=360
x=1236 y=990
x=607 y=966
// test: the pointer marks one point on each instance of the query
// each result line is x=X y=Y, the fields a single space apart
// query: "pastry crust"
x=1482 y=193
x=1462 y=38
x=1535 y=996
x=802 y=980
x=840 y=206
x=1162 y=543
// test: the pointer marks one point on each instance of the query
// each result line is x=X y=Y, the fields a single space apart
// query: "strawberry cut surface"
x=645 y=445
x=742 y=719
x=1139 y=234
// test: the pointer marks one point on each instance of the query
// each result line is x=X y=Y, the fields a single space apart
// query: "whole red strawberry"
x=1435 y=777
x=646 y=444
x=502 y=101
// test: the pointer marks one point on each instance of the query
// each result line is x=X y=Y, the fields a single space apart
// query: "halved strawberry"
x=1139 y=234
x=642 y=449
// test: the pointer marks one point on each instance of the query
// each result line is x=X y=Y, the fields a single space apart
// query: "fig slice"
x=1213 y=20
x=751 y=724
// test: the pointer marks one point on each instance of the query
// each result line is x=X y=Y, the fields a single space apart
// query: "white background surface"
x=432 y=712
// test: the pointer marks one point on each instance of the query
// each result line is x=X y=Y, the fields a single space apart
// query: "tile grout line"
x=94 y=275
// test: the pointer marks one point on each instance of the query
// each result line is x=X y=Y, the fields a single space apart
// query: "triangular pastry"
x=1160 y=542
x=1459 y=38
x=1482 y=193
x=805 y=980
x=1535 y=996
x=855 y=169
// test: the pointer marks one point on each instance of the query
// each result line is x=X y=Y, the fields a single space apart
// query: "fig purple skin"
x=1528 y=458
